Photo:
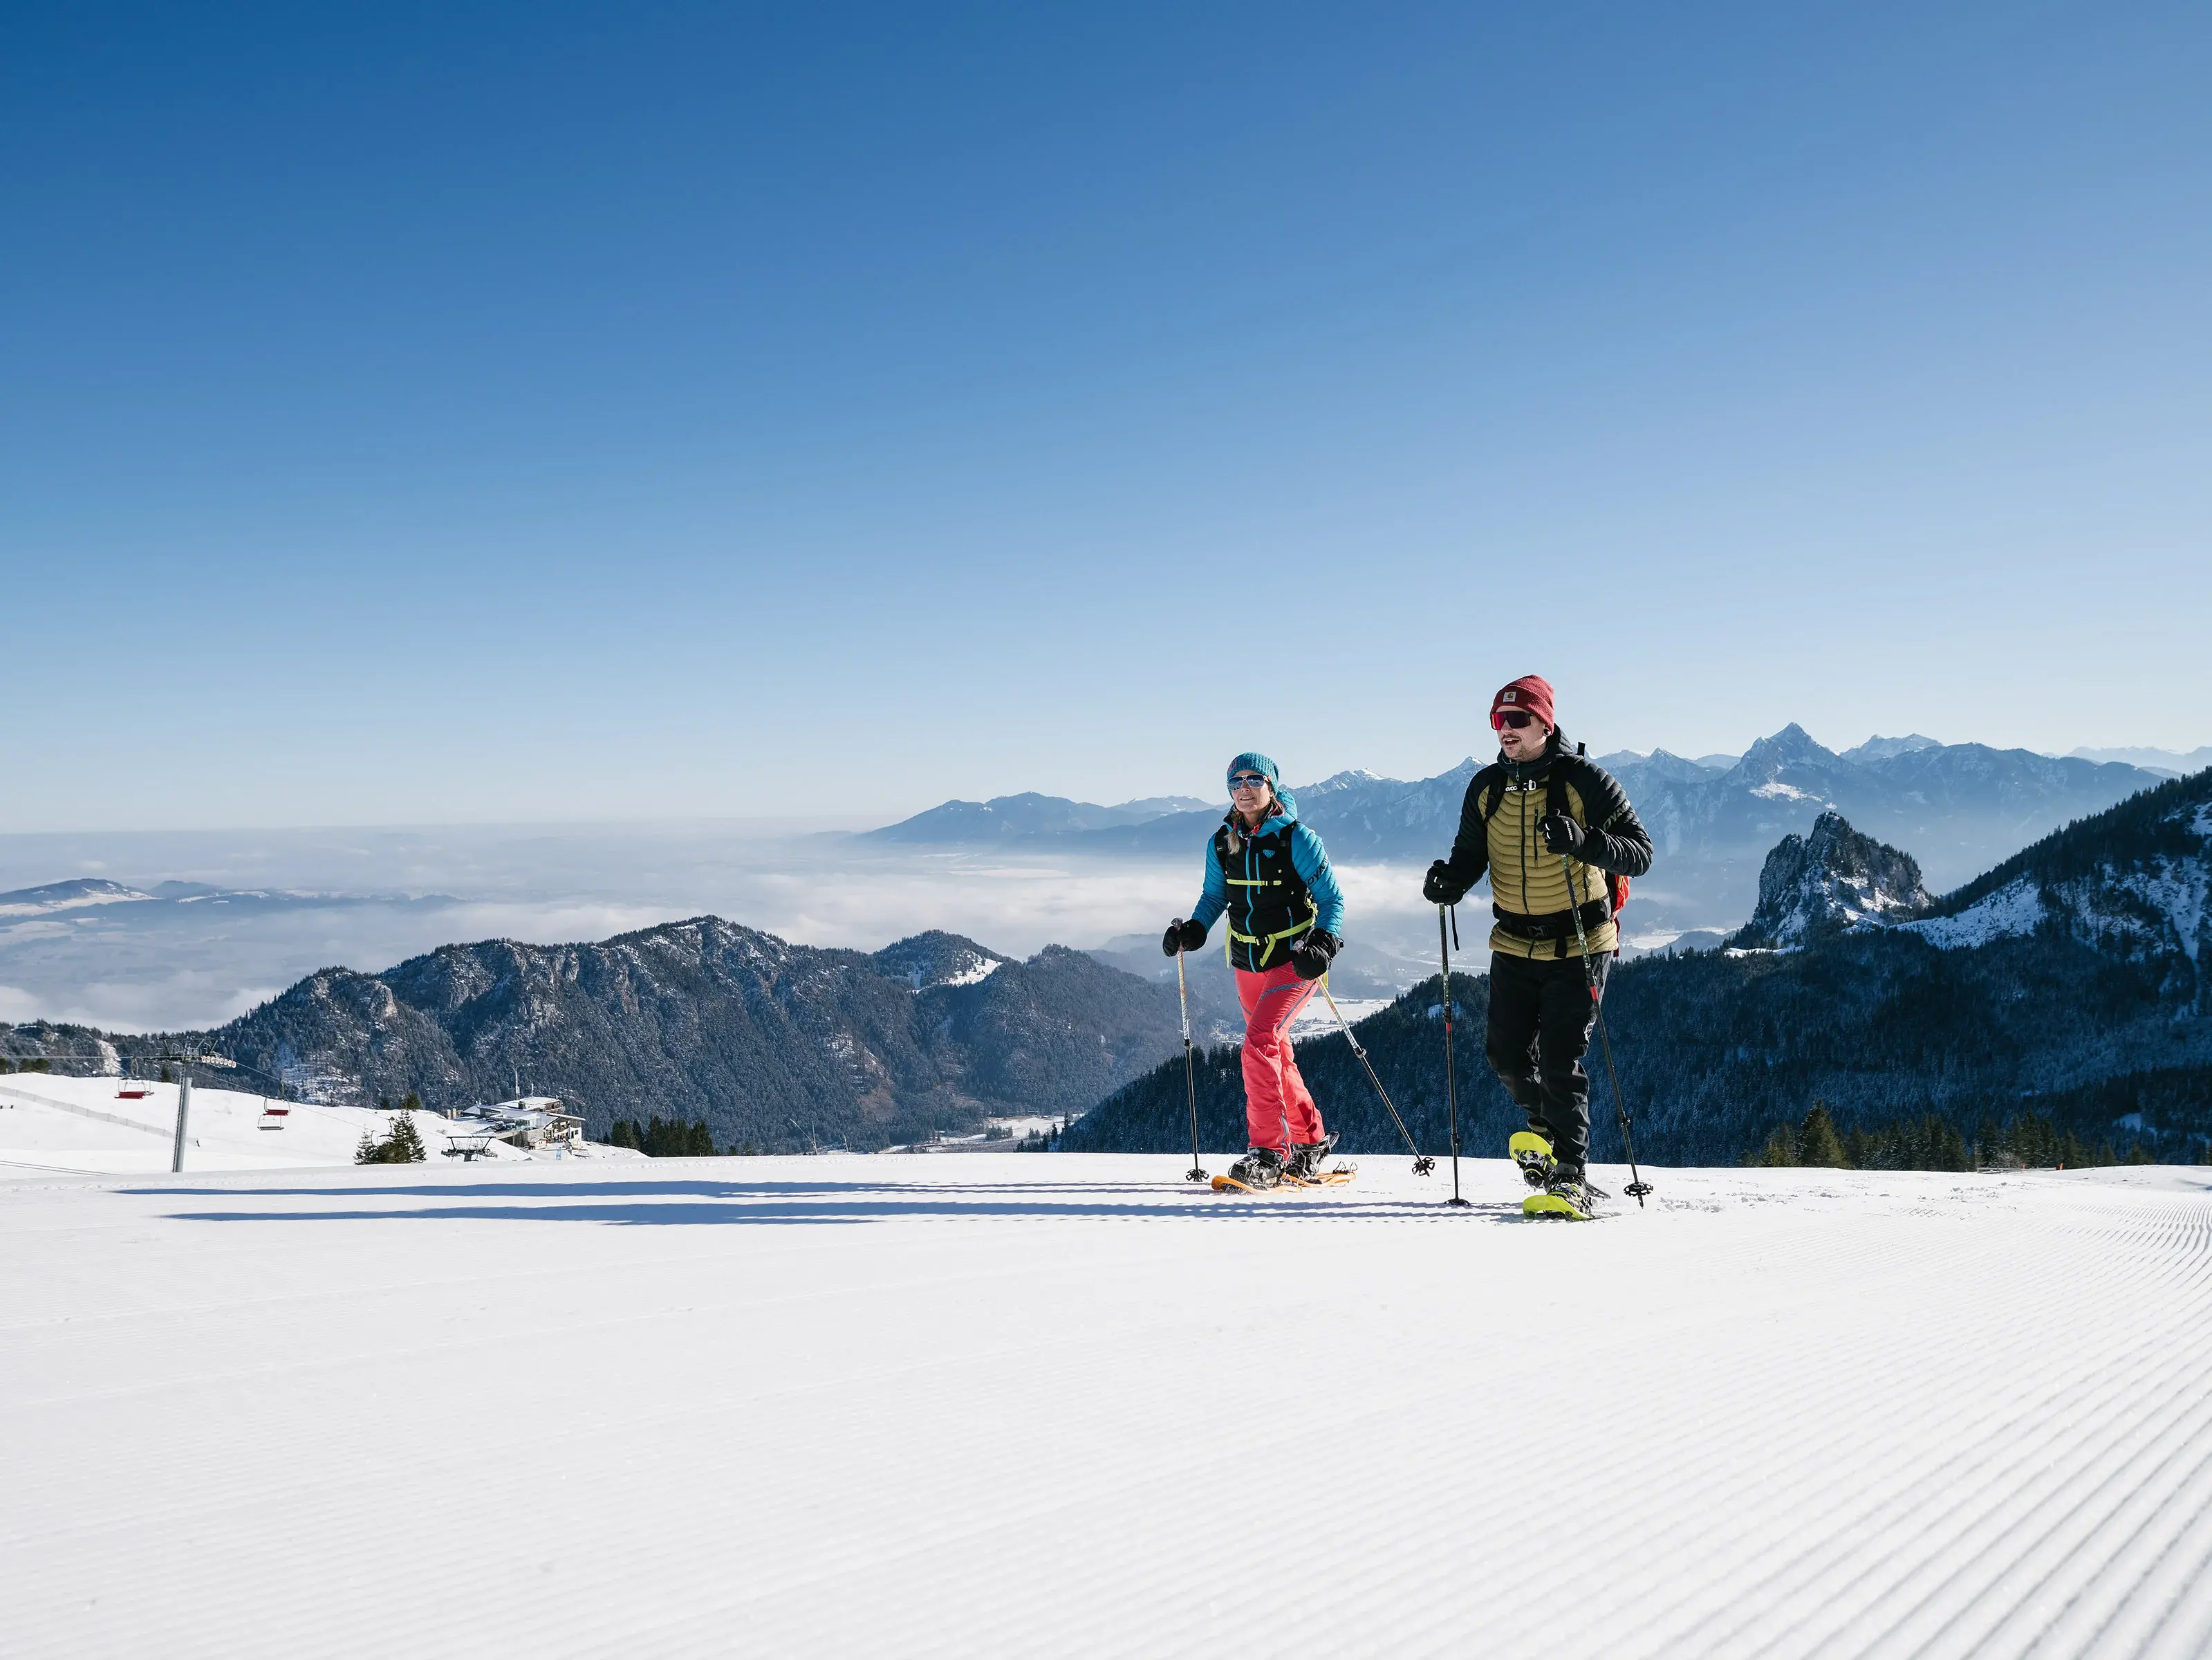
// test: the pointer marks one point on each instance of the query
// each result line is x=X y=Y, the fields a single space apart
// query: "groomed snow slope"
x=1063 y=1405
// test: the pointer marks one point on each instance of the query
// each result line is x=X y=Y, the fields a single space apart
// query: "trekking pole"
x=1451 y=1086
x=1637 y=1184
x=1421 y=1166
x=1197 y=1171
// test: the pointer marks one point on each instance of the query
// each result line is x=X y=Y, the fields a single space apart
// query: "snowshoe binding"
x=1567 y=1198
x=1534 y=1154
x=1307 y=1158
x=1258 y=1170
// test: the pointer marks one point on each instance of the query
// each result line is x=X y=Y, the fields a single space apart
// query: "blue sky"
x=477 y=412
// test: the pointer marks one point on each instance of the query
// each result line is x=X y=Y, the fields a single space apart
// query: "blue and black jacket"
x=1273 y=883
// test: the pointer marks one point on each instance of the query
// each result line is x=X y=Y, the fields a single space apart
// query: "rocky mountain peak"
x=1768 y=758
x=1833 y=878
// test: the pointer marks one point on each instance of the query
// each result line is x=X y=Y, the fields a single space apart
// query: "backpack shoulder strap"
x=1486 y=799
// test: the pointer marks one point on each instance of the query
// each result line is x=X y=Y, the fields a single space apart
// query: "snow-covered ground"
x=53 y=1125
x=1066 y=1405
x=1315 y=1018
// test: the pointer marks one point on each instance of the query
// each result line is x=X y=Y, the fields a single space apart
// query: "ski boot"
x=1534 y=1154
x=1567 y=1197
x=1307 y=1156
x=1261 y=1167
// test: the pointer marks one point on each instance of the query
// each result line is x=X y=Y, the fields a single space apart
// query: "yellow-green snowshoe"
x=1534 y=1154
x=1564 y=1200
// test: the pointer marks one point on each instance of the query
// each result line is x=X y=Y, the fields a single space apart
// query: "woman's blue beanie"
x=1252 y=761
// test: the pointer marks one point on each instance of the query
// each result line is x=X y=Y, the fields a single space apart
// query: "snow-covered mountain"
x=2136 y=883
x=937 y=958
x=1007 y=817
x=1830 y=879
x=1882 y=749
x=771 y=1044
x=1959 y=807
x=80 y=893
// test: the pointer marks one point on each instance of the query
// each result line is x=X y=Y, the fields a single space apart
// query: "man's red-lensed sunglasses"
x=1516 y=719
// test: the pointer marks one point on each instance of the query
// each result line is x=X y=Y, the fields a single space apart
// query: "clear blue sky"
x=463 y=411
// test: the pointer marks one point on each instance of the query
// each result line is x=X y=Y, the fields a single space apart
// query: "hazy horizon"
x=784 y=824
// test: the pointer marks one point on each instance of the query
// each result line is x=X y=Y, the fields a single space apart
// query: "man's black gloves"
x=1183 y=936
x=1563 y=835
x=1439 y=887
x=1310 y=959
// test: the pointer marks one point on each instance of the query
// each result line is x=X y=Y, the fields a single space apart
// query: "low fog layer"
x=284 y=903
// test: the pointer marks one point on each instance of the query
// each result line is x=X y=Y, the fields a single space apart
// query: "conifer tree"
x=1780 y=1151
x=1818 y=1143
x=1956 y=1154
x=1989 y=1144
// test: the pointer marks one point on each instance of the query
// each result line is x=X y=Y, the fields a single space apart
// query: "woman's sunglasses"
x=1246 y=781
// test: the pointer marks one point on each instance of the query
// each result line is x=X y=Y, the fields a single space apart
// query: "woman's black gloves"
x=1311 y=957
x=1183 y=936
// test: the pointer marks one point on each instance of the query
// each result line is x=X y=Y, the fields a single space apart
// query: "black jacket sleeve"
x=1618 y=841
x=1470 y=853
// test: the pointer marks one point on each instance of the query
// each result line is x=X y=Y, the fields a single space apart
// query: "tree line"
x=671 y=1138
x=2028 y=1140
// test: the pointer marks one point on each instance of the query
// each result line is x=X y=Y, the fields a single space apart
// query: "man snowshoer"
x=1270 y=874
x=1538 y=801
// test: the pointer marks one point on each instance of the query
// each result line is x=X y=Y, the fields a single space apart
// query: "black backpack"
x=1555 y=801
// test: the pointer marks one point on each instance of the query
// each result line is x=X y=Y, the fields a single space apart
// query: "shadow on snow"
x=693 y=1203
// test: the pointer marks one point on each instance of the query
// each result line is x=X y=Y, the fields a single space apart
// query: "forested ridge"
x=1715 y=1051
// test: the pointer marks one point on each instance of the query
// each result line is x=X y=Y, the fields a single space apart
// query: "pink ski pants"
x=1279 y=1108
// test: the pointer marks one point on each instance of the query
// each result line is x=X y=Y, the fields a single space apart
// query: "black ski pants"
x=1540 y=1016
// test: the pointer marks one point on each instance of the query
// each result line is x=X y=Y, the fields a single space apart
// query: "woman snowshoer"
x=1270 y=874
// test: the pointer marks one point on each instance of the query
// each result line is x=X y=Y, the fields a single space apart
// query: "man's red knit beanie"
x=1531 y=692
